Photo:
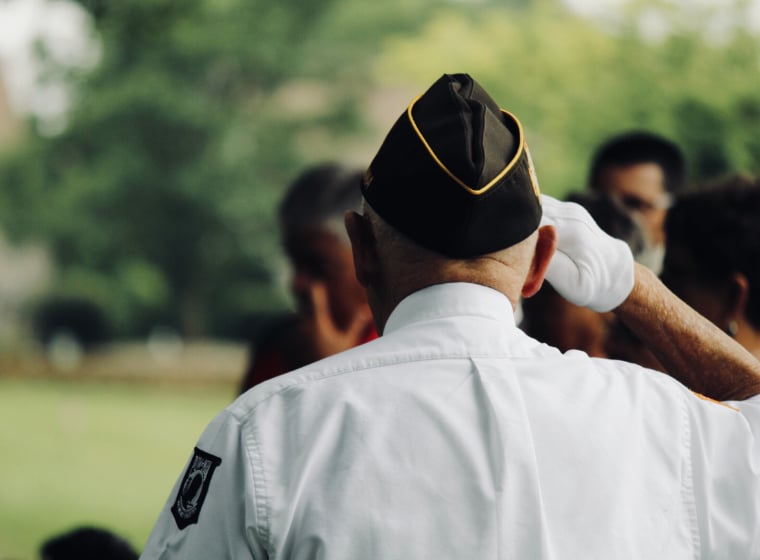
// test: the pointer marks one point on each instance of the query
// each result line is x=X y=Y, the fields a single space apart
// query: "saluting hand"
x=589 y=267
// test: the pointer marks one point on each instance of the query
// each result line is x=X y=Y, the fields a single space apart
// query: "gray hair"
x=319 y=197
x=408 y=257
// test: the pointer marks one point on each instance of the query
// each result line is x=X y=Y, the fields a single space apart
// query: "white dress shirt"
x=457 y=436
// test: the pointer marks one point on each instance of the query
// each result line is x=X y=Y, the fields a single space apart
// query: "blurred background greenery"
x=143 y=209
x=153 y=193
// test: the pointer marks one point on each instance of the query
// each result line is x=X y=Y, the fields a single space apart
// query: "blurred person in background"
x=712 y=260
x=87 y=543
x=331 y=306
x=642 y=171
x=550 y=318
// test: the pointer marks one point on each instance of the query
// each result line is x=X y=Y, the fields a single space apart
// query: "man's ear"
x=545 y=247
x=363 y=247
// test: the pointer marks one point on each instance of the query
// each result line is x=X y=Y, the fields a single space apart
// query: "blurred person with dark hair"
x=331 y=306
x=455 y=435
x=87 y=543
x=552 y=319
x=712 y=260
x=642 y=171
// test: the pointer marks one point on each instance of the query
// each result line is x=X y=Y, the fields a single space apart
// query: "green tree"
x=573 y=82
x=157 y=199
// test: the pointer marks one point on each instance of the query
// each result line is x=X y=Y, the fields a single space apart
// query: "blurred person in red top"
x=331 y=313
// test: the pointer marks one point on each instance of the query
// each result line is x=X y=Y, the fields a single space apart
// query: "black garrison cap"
x=454 y=173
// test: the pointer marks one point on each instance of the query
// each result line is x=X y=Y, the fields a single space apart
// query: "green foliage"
x=170 y=165
x=158 y=198
x=80 y=317
x=573 y=83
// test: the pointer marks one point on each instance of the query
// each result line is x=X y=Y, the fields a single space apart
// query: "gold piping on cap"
x=457 y=180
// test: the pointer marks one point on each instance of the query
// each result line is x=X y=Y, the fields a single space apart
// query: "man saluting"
x=454 y=434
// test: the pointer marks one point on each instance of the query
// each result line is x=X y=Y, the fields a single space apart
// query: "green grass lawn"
x=93 y=452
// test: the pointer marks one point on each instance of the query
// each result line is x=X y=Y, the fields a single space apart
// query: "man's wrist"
x=690 y=348
x=643 y=279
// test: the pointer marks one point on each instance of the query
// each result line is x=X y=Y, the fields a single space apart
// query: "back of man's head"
x=451 y=196
x=319 y=197
x=638 y=147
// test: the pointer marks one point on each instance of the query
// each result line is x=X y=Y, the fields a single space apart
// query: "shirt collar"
x=445 y=300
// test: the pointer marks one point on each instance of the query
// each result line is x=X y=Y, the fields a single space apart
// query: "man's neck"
x=485 y=271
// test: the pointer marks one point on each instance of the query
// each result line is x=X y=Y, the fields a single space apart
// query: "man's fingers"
x=589 y=267
x=320 y=306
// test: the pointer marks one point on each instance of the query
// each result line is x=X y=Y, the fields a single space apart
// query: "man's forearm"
x=691 y=348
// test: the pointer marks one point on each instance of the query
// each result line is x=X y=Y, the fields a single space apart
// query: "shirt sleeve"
x=211 y=511
x=725 y=461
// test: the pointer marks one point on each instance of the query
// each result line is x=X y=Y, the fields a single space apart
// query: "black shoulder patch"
x=192 y=490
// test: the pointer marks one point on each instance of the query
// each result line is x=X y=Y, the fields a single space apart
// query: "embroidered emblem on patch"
x=192 y=490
